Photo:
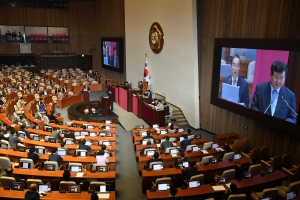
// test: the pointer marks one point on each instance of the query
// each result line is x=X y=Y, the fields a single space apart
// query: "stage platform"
x=76 y=112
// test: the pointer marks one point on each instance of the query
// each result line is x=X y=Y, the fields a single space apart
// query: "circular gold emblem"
x=156 y=38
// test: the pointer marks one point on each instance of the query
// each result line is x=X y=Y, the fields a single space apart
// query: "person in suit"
x=86 y=88
x=148 y=136
x=60 y=95
x=236 y=80
x=32 y=193
x=69 y=134
x=167 y=109
x=172 y=194
x=115 y=58
x=181 y=159
x=233 y=190
x=55 y=157
x=140 y=85
x=32 y=155
x=159 y=106
x=64 y=89
x=167 y=143
x=44 y=93
x=185 y=142
x=148 y=147
x=107 y=56
x=13 y=138
x=189 y=171
x=9 y=173
x=83 y=146
x=111 y=99
x=273 y=98
x=148 y=94
x=154 y=159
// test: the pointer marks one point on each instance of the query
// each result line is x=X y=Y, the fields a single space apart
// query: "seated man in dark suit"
x=148 y=147
x=69 y=134
x=9 y=173
x=185 y=142
x=83 y=146
x=32 y=193
x=189 y=132
x=148 y=136
x=32 y=155
x=55 y=157
x=167 y=109
x=181 y=159
x=233 y=190
x=173 y=192
x=155 y=159
x=2 y=137
x=167 y=143
x=189 y=171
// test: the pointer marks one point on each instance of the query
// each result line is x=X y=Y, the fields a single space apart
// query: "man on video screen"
x=273 y=98
x=235 y=80
x=115 y=58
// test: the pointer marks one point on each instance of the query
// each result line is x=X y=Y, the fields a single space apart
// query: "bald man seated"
x=32 y=193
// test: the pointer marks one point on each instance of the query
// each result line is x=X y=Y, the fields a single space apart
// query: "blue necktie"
x=274 y=101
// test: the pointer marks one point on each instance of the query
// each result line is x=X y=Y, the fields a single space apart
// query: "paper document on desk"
x=219 y=149
x=158 y=145
x=174 y=155
x=218 y=187
x=204 y=151
x=230 y=93
x=228 y=185
x=103 y=196
x=80 y=174
x=79 y=137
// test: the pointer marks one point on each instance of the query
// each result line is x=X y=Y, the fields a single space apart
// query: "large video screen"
x=113 y=54
x=249 y=78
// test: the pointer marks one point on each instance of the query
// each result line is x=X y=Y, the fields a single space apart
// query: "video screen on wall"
x=113 y=54
x=254 y=79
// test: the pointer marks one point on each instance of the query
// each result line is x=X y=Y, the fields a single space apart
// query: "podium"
x=105 y=102
x=86 y=96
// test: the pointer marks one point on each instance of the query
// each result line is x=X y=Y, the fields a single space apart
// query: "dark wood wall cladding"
x=243 y=19
x=88 y=22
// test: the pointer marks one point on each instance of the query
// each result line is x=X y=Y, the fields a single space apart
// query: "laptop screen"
x=90 y=127
x=163 y=132
x=49 y=167
x=88 y=142
x=269 y=170
x=143 y=133
x=157 y=167
x=247 y=175
x=22 y=135
x=74 y=189
x=181 y=138
x=150 y=153
x=25 y=165
x=237 y=156
x=163 y=186
x=45 y=188
x=69 y=141
x=17 y=186
x=213 y=160
x=107 y=143
x=76 y=133
x=107 y=122
x=140 y=126
x=144 y=142
x=214 y=145
x=93 y=134
x=102 y=188
x=222 y=180
x=291 y=195
x=170 y=123
x=266 y=198
x=4 y=146
x=101 y=168
x=195 y=148
x=180 y=130
x=22 y=149
x=185 y=164
x=76 y=169
x=40 y=151
x=37 y=127
x=36 y=138
x=62 y=152
x=194 y=184
x=52 y=140
x=155 y=125
x=82 y=154
x=107 y=127
x=48 y=129
x=173 y=151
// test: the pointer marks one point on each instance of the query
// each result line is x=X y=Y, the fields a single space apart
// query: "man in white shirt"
x=100 y=158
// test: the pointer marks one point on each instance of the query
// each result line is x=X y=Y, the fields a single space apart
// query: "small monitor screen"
x=247 y=175
x=222 y=180
x=102 y=188
x=157 y=167
x=163 y=186
x=82 y=154
x=48 y=129
x=181 y=138
x=140 y=126
x=107 y=127
x=37 y=127
x=36 y=138
x=49 y=167
x=52 y=140
x=22 y=135
x=74 y=189
x=76 y=133
x=194 y=184
x=170 y=123
x=291 y=195
x=90 y=127
x=76 y=169
x=150 y=153
x=21 y=149
x=40 y=151
x=155 y=125
x=88 y=142
x=180 y=130
x=173 y=151
x=93 y=134
x=163 y=131
x=4 y=146
x=107 y=143
x=213 y=160
x=185 y=164
x=237 y=156
x=45 y=188
x=144 y=142
x=108 y=134
x=269 y=170
x=195 y=148
x=61 y=152
x=266 y=198
x=107 y=122
x=69 y=141
x=102 y=168
x=214 y=145
x=25 y=165
x=143 y=133
x=17 y=186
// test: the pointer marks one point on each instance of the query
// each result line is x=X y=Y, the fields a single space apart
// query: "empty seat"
x=63 y=185
x=205 y=159
x=207 y=145
x=6 y=181
x=94 y=184
x=270 y=192
x=30 y=181
x=52 y=163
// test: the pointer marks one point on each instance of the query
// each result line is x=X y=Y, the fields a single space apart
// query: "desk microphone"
x=289 y=106
x=268 y=106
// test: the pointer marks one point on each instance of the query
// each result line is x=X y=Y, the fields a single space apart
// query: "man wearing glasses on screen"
x=273 y=98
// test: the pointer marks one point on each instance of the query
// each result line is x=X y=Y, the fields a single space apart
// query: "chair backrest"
x=293 y=186
x=277 y=162
x=27 y=160
x=30 y=181
x=52 y=163
x=230 y=173
x=46 y=120
x=256 y=169
x=245 y=145
x=80 y=150
x=237 y=144
x=6 y=181
x=250 y=71
x=173 y=139
x=94 y=184
x=168 y=149
x=206 y=159
x=154 y=163
x=228 y=156
x=5 y=142
x=63 y=185
x=190 y=147
x=207 y=145
x=269 y=192
x=286 y=160
x=237 y=197
x=264 y=153
x=191 y=137
x=255 y=152
x=4 y=163
x=199 y=177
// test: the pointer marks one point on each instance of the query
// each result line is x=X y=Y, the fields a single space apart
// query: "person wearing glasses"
x=273 y=98
x=238 y=81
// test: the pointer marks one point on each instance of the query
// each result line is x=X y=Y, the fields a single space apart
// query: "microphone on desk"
x=268 y=106
x=289 y=106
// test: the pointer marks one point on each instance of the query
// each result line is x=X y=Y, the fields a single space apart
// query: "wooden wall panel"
x=243 y=19
x=88 y=22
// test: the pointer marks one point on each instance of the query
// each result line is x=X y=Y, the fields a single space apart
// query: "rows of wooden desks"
x=54 y=195
x=257 y=183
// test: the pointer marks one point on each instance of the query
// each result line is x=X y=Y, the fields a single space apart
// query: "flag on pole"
x=146 y=71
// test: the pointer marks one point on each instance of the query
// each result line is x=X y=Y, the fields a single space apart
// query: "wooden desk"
x=7 y=121
x=69 y=101
x=54 y=195
x=97 y=130
x=137 y=138
x=151 y=116
x=93 y=123
x=228 y=138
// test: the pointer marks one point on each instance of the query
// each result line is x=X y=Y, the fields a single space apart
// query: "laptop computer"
x=222 y=180
x=21 y=149
x=157 y=167
x=185 y=164
x=101 y=168
x=163 y=186
x=77 y=133
x=213 y=160
x=45 y=188
x=269 y=170
x=194 y=184
x=17 y=186
x=140 y=126
x=36 y=138
x=74 y=188
x=237 y=156
x=173 y=151
x=266 y=198
x=195 y=148
x=214 y=145
x=25 y=165
x=62 y=152
x=180 y=130
x=107 y=122
x=49 y=167
x=143 y=133
x=4 y=146
x=150 y=153
x=52 y=140
x=230 y=92
x=76 y=168
x=247 y=175
x=155 y=126
x=163 y=132
x=90 y=127
x=103 y=191
x=92 y=134
x=291 y=195
x=40 y=151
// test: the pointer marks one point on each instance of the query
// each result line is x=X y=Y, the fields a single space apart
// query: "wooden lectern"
x=86 y=96
x=105 y=102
